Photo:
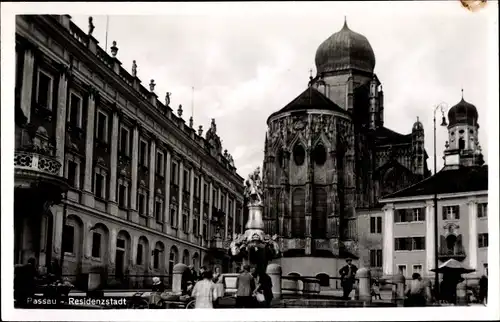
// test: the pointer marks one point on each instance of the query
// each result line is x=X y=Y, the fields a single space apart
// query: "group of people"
x=254 y=288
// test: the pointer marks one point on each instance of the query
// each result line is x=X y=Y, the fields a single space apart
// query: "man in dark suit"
x=347 y=275
x=245 y=285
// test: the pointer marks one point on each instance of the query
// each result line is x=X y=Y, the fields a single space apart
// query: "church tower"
x=418 y=152
x=462 y=147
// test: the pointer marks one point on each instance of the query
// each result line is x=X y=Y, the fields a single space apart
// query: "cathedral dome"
x=463 y=113
x=343 y=50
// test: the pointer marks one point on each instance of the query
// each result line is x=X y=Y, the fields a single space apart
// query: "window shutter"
x=457 y=211
x=422 y=213
x=444 y=212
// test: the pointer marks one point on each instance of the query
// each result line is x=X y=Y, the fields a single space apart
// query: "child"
x=376 y=289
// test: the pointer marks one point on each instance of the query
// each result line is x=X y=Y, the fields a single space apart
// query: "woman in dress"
x=204 y=292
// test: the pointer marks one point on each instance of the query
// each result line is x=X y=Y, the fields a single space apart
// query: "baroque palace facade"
x=329 y=157
x=106 y=175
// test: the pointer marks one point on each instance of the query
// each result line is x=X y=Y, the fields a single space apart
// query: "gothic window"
x=299 y=155
x=298 y=212
x=318 y=227
x=319 y=155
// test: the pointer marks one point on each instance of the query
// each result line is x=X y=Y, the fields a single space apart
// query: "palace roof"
x=463 y=179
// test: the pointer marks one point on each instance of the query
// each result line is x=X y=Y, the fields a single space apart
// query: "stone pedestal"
x=178 y=270
x=399 y=289
x=462 y=294
x=274 y=271
x=364 y=285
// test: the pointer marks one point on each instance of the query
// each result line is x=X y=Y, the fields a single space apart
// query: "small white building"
x=462 y=208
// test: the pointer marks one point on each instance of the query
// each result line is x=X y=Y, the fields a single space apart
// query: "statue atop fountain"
x=255 y=247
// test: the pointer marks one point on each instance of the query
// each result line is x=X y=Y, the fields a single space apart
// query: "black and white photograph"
x=299 y=160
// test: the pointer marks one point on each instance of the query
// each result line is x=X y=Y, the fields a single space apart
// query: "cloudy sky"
x=248 y=61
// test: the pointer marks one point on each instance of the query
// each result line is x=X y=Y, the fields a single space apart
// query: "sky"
x=249 y=61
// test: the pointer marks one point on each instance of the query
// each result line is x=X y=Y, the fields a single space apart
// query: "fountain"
x=254 y=247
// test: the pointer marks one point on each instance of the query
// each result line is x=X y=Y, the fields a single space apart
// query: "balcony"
x=220 y=244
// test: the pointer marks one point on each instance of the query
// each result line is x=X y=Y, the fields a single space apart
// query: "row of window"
x=418 y=243
x=96 y=251
x=418 y=214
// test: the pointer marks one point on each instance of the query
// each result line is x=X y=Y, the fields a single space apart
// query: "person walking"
x=347 y=275
x=416 y=291
x=265 y=289
x=245 y=285
x=204 y=292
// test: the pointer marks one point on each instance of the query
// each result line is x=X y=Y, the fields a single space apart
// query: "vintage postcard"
x=259 y=161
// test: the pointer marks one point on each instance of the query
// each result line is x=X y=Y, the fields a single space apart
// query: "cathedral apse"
x=327 y=154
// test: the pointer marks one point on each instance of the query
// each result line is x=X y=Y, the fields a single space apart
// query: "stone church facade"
x=328 y=156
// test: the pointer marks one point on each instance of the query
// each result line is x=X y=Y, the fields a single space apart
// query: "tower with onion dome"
x=462 y=147
x=328 y=157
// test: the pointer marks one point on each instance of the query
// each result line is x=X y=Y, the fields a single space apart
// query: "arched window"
x=185 y=257
x=298 y=212
x=324 y=279
x=450 y=242
x=142 y=250
x=173 y=259
x=158 y=255
x=319 y=155
x=196 y=262
x=299 y=154
x=318 y=225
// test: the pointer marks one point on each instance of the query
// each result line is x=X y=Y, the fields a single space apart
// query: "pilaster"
x=388 y=240
x=429 y=237
x=27 y=86
x=202 y=198
x=210 y=206
x=166 y=210
x=112 y=204
x=134 y=215
x=62 y=94
x=181 y=202
x=152 y=192
x=472 y=234
x=226 y=218
x=88 y=197
x=191 y=201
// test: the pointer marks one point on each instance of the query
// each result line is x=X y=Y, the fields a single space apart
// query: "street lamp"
x=442 y=107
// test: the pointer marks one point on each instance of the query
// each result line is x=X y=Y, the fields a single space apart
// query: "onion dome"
x=344 y=50
x=417 y=126
x=463 y=113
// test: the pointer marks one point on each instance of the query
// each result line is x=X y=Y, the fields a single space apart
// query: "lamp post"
x=440 y=106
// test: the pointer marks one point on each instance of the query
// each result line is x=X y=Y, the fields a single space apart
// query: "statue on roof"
x=167 y=98
x=91 y=26
x=212 y=137
x=134 y=68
